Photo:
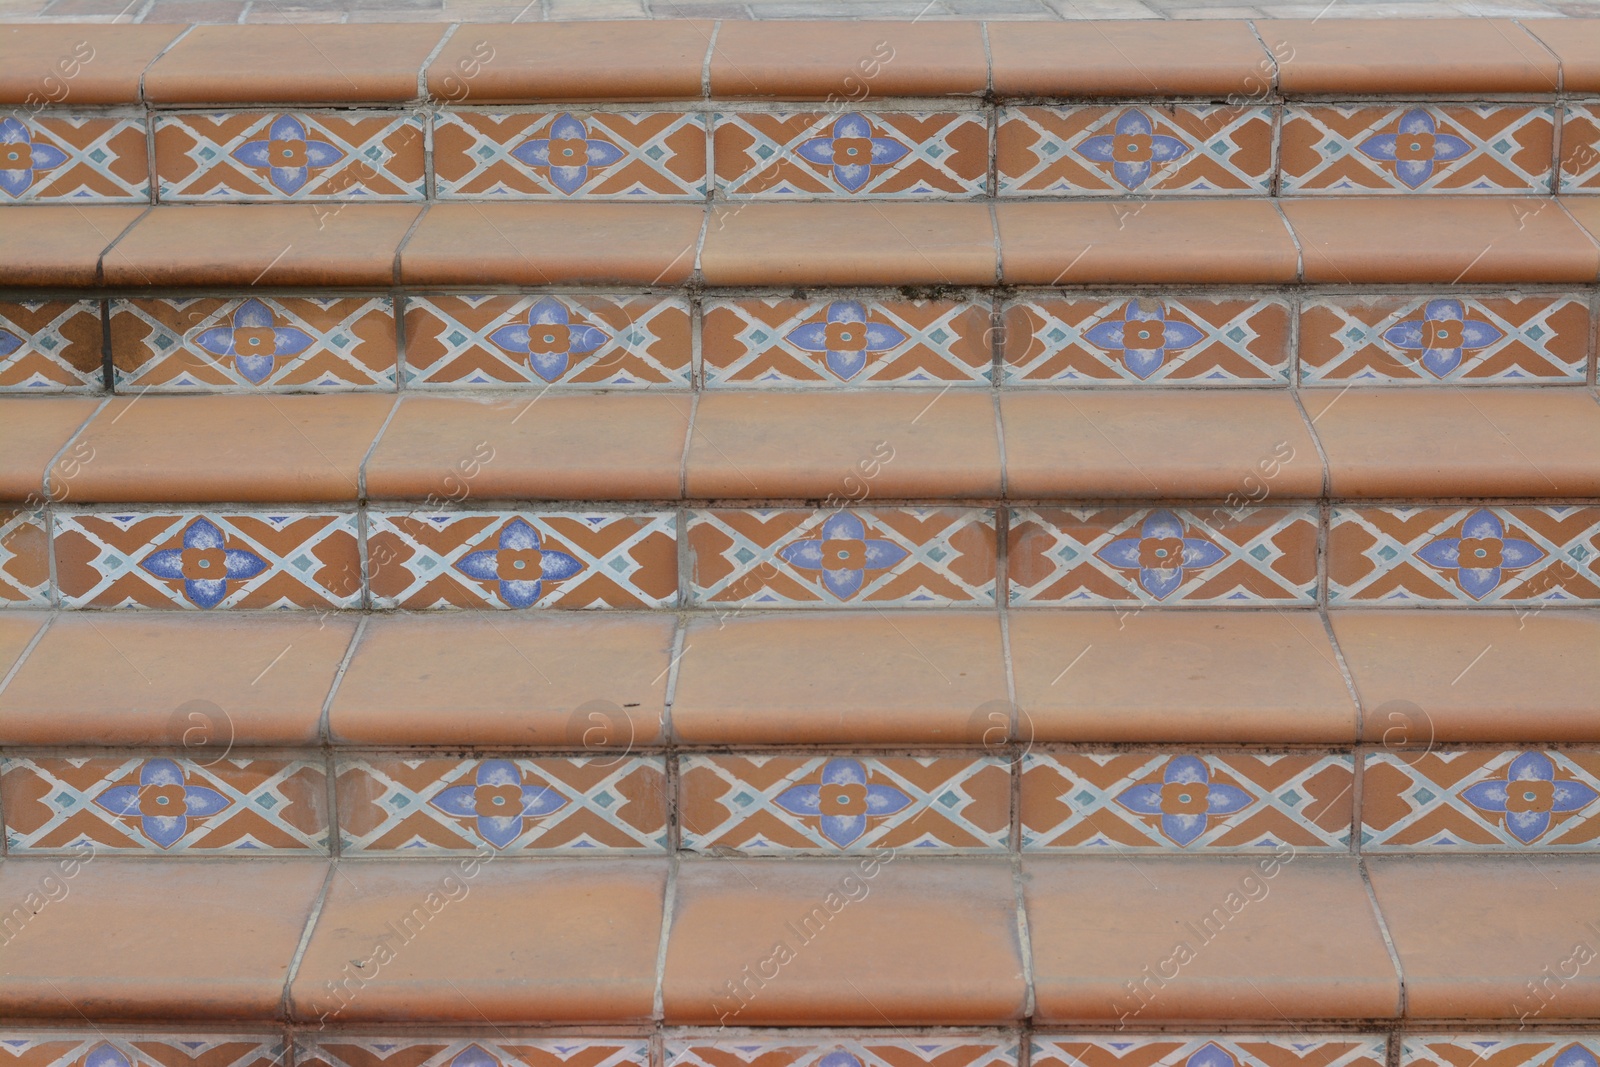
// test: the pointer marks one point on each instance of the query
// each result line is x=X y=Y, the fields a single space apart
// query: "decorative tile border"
x=24 y=558
x=50 y=346
x=824 y=1049
x=1501 y=1050
x=1230 y=1050
x=1580 y=149
x=97 y=1048
x=77 y=157
x=503 y=1051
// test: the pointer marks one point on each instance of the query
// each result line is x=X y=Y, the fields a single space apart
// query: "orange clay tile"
x=1208 y=242
x=1576 y=43
x=450 y=450
x=867 y=678
x=32 y=431
x=881 y=939
x=506 y=64
x=469 y=940
x=1146 y=941
x=84 y=64
x=54 y=245
x=1447 y=442
x=1524 y=676
x=24 y=558
x=758 y=445
x=306 y=63
x=17 y=631
x=200 y=685
x=266 y=448
x=1162 y=677
x=1442 y=55
x=847 y=61
x=1128 y=58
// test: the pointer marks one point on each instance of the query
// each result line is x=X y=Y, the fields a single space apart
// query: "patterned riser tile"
x=24 y=558
x=1231 y=1050
x=100 y=1048
x=825 y=1049
x=1500 y=1050
x=496 y=1050
x=50 y=346
x=1580 y=149
x=84 y=158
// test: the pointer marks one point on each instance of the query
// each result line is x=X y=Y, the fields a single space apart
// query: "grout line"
x=108 y=374
x=705 y=64
x=100 y=262
x=428 y=61
x=50 y=620
x=361 y=470
x=668 y=906
x=305 y=941
x=1024 y=939
x=1388 y=941
x=324 y=729
x=680 y=634
x=47 y=500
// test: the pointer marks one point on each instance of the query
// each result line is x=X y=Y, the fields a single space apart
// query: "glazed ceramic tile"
x=24 y=559
x=1054 y=340
x=1210 y=801
x=503 y=1051
x=766 y=804
x=50 y=346
x=173 y=344
x=497 y=340
x=1408 y=555
x=644 y=155
x=255 y=559
x=125 y=803
x=822 y=1049
x=1502 y=1050
x=83 y=157
x=1146 y=149
x=475 y=559
x=1218 y=556
x=1399 y=148
x=823 y=154
x=1481 y=799
x=303 y=155
x=1580 y=149
x=97 y=1048
x=593 y=803
x=1495 y=340
x=906 y=557
x=829 y=343
x=1232 y=1050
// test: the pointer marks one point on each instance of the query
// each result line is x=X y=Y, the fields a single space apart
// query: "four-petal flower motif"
x=9 y=343
x=474 y=1056
x=1528 y=795
x=846 y=337
x=1186 y=799
x=1161 y=554
x=288 y=154
x=569 y=153
x=21 y=159
x=1481 y=555
x=1416 y=149
x=843 y=553
x=843 y=801
x=106 y=1054
x=1442 y=334
x=204 y=564
x=852 y=151
x=1211 y=1055
x=549 y=338
x=1143 y=338
x=499 y=801
x=253 y=342
x=520 y=565
x=162 y=802
x=1133 y=149
x=1575 y=1056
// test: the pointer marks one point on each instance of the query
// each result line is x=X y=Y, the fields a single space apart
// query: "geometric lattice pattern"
x=24 y=559
x=592 y=155
x=815 y=1049
x=50 y=346
x=504 y=1051
x=1580 y=149
x=1501 y=1050
x=76 y=157
x=1230 y=1050
x=75 y=1048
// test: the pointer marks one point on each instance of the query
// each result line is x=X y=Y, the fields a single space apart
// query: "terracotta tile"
x=553 y=244
x=1251 y=934
x=447 y=450
x=55 y=62
x=563 y=941
x=1224 y=1050
x=50 y=346
x=1195 y=677
x=1126 y=58
x=1428 y=900
x=1444 y=442
x=504 y=64
x=917 y=678
x=844 y=446
x=811 y=1049
x=24 y=558
x=922 y=942
x=272 y=245
x=32 y=431
x=58 y=966
x=848 y=61
x=1210 y=242
x=1447 y=55
x=1580 y=148
x=597 y=682
x=87 y=157
x=17 y=630
x=1451 y=240
x=352 y=1050
x=45 y=1048
x=285 y=448
x=849 y=244
x=1426 y=677
x=1574 y=42
x=284 y=64
x=1444 y=1050
x=58 y=246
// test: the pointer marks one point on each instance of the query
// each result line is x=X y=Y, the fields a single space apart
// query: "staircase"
x=834 y=544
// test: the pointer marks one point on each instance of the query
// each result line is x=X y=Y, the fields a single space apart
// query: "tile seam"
x=293 y=971
x=144 y=97
x=46 y=490
x=1272 y=60
x=705 y=63
x=1024 y=941
x=26 y=651
x=1388 y=941
x=324 y=727
x=366 y=457
x=683 y=460
x=1561 y=72
x=428 y=61
x=396 y=279
x=100 y=261
x=679 y=637
x=668 y=906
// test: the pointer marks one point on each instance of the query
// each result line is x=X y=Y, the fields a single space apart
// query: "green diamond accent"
x=1387 y=553
x=1424 y=795
x=618 y=564
x=936 y=554
x=655 y=151
x=1292 y=798
x=744 y=555
x=458 y=338
x=267 y=802
x=939 y=336
x=1260 y=552
x=1236 y=334
x=98 y=155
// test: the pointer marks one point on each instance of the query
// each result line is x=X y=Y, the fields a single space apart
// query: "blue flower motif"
x=1161 y=554
x=204 y=564
x=1528 y=794
x=1481 y=554
x=21 y=158
x=1416 y=149
x=519 y=565
x=852 y=151
x=843 y=802
x=846 y=337
x=549 y=338
x=499 y=802
x=474 y=1056
x=162 y=802
x=1143 y=338
x=106 y=1054
x=569 y=153
x=1212 y=1055
x=1186 y=799
x=1575 y=1056
x=839 y=1059
x=9 y=343
x=288 y=155
x=1442 y=334
x=1133 y=150
x=253 y=342
x=844 y=554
